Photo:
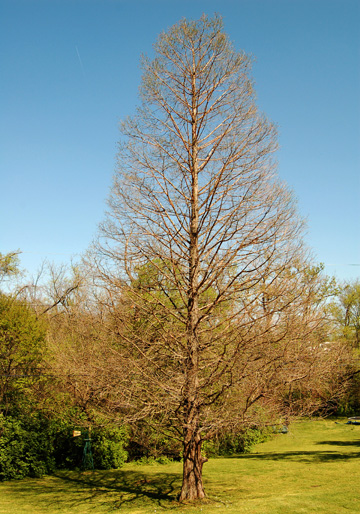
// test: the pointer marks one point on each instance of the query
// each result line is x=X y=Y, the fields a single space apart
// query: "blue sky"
x=70 y=72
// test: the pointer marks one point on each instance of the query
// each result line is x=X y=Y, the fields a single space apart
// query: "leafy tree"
x=347 y=311
x=201 y=254
x=22 y=348
x=9 y=265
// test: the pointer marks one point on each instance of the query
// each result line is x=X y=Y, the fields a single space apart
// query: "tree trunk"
x=192 y=486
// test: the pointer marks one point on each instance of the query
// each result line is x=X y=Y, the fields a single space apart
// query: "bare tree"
x=78 y=340
x=201 y=252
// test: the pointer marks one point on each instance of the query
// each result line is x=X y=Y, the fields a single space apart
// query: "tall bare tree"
x=201 y=250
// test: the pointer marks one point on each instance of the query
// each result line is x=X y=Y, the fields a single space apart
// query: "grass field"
x=315 y=468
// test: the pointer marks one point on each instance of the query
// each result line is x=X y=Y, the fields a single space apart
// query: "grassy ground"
x=315 y=468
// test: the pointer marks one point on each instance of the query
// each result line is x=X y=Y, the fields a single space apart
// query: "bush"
x=33 y=446
x=68 y=450
x=24 y=451
x=233 y=443
x=150 y=461
x=108 y=447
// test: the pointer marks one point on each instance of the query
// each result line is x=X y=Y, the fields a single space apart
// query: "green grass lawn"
x=315 y=468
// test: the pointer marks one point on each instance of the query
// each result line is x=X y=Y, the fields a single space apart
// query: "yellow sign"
x=76 y=433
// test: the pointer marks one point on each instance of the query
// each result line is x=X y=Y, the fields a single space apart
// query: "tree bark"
x=192 y=486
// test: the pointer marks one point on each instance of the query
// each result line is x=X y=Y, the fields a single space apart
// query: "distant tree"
x=347 y=311
x=78 y=343
x=201 y=254
x=9 y=264
x=22 y=349
x=80 y=359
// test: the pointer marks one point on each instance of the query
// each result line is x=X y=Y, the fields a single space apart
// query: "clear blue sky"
x=70 y=71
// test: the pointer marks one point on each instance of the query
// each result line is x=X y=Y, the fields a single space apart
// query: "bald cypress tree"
x=202 y=243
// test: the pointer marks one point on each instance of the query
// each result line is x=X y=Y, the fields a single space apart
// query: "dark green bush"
x=24 y=451
x=68 y=450
x=107 y=446
x=33 y=446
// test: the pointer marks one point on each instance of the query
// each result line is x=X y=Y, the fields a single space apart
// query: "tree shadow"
x=112 y=489
x=341 y=443
x=307 y=456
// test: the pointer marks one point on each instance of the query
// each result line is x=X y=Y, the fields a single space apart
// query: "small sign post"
x=87 y=458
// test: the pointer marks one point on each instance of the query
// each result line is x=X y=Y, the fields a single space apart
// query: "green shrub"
x=152 y=460
x=68 y=450
x=108 y=447
x=233 y=443
x=24 y=451
x=33 y=446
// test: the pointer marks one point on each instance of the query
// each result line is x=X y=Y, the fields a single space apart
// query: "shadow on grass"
x=114 y=489
x=111 y=489
x=307 y=456
x=341 y=443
